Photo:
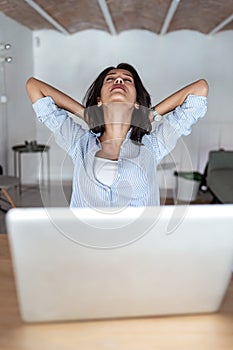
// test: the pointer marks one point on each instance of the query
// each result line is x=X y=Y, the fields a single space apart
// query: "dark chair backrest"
x=220 y=160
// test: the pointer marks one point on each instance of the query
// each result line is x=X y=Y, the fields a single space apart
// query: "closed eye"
x=111 y=78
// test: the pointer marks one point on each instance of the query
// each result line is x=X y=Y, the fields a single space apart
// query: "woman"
x=115 y=160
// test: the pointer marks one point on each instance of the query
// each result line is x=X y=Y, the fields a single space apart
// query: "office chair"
x=219 y=175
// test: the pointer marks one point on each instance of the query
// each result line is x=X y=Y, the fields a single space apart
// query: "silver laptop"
x=125 y=262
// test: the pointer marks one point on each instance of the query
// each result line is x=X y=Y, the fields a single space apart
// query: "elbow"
x=30 y=82
x=202 y=87
x=33 y=89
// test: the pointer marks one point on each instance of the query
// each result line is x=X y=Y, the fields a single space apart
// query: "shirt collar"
x=97 y=135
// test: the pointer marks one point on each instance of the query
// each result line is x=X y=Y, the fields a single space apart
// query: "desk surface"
x=202 y=332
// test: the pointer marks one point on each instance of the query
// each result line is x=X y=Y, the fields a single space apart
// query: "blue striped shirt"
x=135 y=183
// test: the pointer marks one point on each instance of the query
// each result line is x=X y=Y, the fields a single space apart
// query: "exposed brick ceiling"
x=72 y=16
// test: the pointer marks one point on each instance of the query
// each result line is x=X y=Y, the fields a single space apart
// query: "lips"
x=118 y=86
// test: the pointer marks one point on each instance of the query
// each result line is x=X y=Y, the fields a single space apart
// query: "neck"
x=115 y=133
x=117 y=119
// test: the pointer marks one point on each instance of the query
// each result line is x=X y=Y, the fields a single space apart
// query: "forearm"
x=199 y=88
x=37 y=89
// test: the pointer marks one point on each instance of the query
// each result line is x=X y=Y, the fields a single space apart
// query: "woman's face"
x=118 y=86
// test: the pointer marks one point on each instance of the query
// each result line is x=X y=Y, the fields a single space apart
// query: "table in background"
x=193 y=332
x=31 y=148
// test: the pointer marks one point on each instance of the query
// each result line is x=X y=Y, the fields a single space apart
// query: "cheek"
x=134 y=94
x=102 y=92
x=133 y=90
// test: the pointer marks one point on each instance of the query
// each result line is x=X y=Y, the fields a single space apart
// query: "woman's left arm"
x=199 y=87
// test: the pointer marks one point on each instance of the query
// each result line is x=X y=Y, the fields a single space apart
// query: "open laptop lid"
x=90 y=264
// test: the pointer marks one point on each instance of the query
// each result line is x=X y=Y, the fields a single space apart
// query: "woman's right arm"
x=37 y=89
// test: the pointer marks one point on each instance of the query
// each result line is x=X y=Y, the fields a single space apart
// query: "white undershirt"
x=105 y=170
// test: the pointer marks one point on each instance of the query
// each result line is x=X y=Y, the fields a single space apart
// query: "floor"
x=58 y=195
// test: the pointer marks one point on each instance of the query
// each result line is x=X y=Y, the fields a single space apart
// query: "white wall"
x=165 y=63
x=16 y=114
x=72 y=62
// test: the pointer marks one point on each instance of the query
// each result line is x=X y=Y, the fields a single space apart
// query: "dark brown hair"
x=140 y=118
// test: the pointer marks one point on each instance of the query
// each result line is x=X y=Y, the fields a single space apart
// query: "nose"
x=119 y=80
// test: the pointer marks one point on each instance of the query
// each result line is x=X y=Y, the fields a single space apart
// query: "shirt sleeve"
x=65 y=130
x=178 y=123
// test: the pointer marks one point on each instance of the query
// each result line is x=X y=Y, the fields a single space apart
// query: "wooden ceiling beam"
x=45 y=15
x=170 y=14
x=107 y=16
x=221 y=25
